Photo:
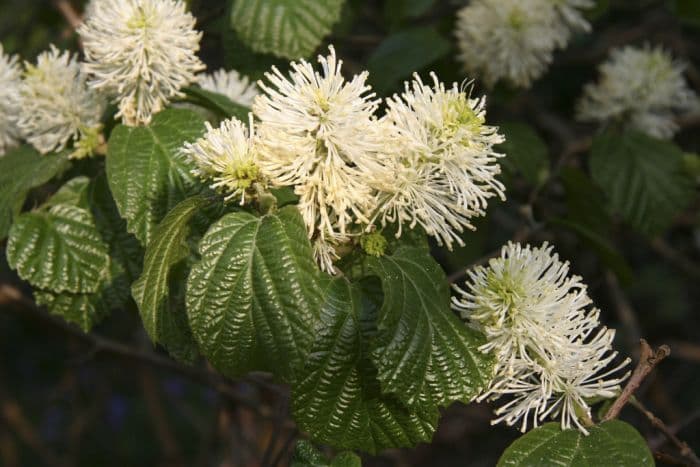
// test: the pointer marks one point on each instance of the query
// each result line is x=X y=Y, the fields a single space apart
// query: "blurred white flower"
x=57 y=105
x=508 y=39
x=140 y=52
x=571 y=15
x=552 y=355
x=642 y=87
x=9 y=100
x=231 y=84
x=227 y=156
x=443 y=167
x=318 y=133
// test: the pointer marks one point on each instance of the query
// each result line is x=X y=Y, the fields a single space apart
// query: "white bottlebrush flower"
x=228 y=156
x=140 y=52
x=57 y=104
x=642 y=87
x=9 y=100
x=552 y=355
x=318 y=133
x=325 y=254
x=443 y=167
x=570 y=12
x=508 y=39
x=231 y=84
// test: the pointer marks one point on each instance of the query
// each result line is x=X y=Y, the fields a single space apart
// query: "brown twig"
x=12 y=416
x=686 y=351
x=657 y=423
x=648 y=359
x=66 y=9
x=668 y=459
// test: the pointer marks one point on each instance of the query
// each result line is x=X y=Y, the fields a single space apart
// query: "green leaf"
x=610 y=443
x=421 y=346
x=59 y=250
x=166 y=325
x=346 y=459
x=397 y=10
x=146 y=174
x=642 y=177
x=238 y=56
x=253 y=299
x=306 y=455
x=21 y=170
x=586 y=216
x=286 y=28
x=525 y=152
x=403 y=53
x=217 y=103
x=124 y=248
x=338 y=400
x=688 y=11
x=73 y=192
x=87 y=309
x=83 y=310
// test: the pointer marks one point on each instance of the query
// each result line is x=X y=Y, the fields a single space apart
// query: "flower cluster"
x=227 y=155
x=140 y=52
x=642 y=87
x=429 y=161
x=552 y=355
x=231 y=84
x=9 y=100
x=515 y=39
x=58 y=106
x=443 y=166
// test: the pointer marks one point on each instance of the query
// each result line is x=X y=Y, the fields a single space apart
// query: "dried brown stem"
x=12 y=417
x=648 y=359
x=657 y=423
x=68 y=12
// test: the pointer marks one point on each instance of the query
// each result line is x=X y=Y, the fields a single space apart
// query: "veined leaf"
x=610 y=443
x=59 y=250
x=403 y=53
x=643 y=178
x=586 y=215
x=83 y=310
x=73 y=192
x=123 y=246
x=421 y=346
x=21 y=170
x=306 y=455
x=146 y=175
x=338 y=398
x=286 y=28
x=253 y=299
x=525 y=152
x=87 y=309
x=165 y=325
